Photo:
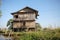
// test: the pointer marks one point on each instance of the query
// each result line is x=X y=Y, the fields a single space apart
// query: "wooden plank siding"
x=24 y=17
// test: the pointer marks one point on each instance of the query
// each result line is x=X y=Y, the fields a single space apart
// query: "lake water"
x=3 y=38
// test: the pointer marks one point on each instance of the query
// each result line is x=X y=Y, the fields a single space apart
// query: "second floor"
x=26 y=13
x=30 y=16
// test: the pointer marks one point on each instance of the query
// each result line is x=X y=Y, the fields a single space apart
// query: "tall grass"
x=45 y=34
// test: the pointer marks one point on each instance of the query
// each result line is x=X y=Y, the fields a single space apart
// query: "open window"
x=16 y=16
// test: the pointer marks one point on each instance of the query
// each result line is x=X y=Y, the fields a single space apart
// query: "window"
x=16 y=16
x=24 y=23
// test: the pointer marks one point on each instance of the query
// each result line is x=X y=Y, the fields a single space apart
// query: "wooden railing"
x=17 y=19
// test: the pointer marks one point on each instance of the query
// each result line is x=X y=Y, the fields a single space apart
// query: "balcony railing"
x=17 y=19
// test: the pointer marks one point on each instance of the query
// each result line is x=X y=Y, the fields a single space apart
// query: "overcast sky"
x=49 y=11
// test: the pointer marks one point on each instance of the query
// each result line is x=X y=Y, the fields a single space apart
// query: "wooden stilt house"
x=24 y=19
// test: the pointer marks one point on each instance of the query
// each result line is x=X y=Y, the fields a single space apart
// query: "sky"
x=48 y=10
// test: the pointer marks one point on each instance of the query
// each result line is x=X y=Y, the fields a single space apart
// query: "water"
x=3 y=38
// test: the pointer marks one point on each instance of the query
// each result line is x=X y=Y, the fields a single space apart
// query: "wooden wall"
x=27 y=16
x=27 y=24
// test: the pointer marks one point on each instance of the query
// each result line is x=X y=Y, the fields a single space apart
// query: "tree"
x=38 y=26
x=0 y=7
x=0 y=13
x=9 y=23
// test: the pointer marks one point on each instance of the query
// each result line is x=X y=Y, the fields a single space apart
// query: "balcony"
x=21 y=19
